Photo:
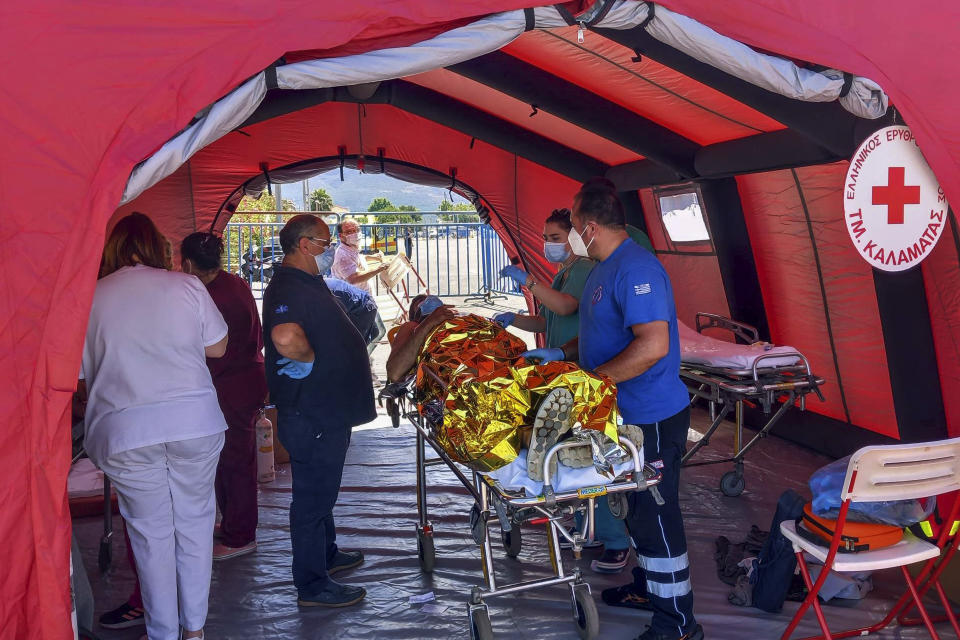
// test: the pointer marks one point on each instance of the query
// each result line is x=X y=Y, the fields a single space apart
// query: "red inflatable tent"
x=523 y=111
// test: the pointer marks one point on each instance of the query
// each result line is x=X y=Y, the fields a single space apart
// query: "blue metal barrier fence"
x=453 y=258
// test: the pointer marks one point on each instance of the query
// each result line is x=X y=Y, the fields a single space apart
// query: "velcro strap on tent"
x=530 y=20
x=270 y=74
x=381 y=152
x=342 y=152
x=266 y=175
x=565 y=14
x=847 y=83
x=651 y=14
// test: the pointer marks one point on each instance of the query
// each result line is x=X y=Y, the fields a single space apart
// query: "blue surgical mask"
x=428 y=306
x=556 y=251
x=325 y=259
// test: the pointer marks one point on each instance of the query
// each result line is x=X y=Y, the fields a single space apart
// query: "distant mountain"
x=358 y=190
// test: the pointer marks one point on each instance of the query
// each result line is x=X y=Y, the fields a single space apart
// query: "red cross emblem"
x=895 y=195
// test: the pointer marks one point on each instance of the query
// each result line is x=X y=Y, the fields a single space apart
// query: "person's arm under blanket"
x=409 y=340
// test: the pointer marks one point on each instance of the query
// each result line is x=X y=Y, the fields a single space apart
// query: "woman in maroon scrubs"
x=241 y=389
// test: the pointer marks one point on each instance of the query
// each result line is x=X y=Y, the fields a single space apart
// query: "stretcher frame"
x=513 y=509
x=730 y=388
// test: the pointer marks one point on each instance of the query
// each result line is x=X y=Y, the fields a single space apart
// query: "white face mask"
x=325 y=259
x=575 y=238
x=351 y=238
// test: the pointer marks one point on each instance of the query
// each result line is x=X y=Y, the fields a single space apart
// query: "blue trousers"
x=658 y=530
x=607 y=529
x=317 y=453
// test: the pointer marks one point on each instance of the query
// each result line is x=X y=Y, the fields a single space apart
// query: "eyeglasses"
x=324 y=242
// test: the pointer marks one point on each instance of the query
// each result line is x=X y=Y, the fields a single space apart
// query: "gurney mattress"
x=698 y=349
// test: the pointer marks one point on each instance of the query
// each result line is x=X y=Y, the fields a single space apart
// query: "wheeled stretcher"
x=515 y=507
x=729 y=375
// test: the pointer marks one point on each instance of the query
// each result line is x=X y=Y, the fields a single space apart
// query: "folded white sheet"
x=84 y=480
x=696 y=348
x=513 y=476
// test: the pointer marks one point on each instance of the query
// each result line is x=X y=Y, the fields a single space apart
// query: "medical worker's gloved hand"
x=294 y=368
x=514 y=273
x=543 y=356
x=504 y=319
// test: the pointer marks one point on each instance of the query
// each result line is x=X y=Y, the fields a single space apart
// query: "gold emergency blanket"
x=488 y=391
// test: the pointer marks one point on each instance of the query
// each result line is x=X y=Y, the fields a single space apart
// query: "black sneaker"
x=333 y=595
x=695 y=633
x=631 y=595
x=123 y=617
x=345 y=560
x=611 y=561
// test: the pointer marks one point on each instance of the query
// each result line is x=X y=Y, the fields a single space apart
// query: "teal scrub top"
x=571 y=280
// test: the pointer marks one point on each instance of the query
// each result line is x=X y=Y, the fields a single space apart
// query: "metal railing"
x=453 y=258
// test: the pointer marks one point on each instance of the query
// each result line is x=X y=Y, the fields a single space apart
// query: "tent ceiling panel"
x=449 y=112
x=521 y=114
x=824 y=122
x=647 y=88
x=587 y=110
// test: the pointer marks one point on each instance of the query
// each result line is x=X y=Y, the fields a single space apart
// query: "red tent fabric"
x=89 y=91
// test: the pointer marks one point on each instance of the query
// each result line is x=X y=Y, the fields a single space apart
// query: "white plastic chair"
x=880 y=473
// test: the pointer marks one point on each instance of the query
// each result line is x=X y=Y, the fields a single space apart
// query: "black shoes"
x=333 y=595
x=345 y=560
x=695 y=633
x=631 y=595
x=123 y=617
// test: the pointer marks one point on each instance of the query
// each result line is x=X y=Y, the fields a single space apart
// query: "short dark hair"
x=560 y=217
x=297 y=227
x=202 y=249
x=597 y=200
x=415 y=303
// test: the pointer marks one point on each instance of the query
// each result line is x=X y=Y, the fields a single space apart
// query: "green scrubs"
x=570 y=280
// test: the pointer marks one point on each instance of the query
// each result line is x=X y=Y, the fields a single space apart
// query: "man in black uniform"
x=319 y=378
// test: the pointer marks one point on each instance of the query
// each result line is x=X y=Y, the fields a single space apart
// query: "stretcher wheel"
x=480 y=626
x=105 y=556
x=732 y=483
x=618 y=505
x=585 y=613
x=512 y=541
x=426 y=551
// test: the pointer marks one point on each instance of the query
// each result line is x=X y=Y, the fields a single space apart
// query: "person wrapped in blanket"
x=485 y=402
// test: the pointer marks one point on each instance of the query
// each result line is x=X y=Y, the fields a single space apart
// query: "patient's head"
x=423 y=305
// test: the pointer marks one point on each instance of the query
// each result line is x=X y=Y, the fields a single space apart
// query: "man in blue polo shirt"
x=319 y=378
x=628 y=332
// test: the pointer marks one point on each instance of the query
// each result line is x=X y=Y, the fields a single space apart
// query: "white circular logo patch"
x=894 y=209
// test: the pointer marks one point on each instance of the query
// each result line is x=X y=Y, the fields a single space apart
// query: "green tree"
x=320 y=200
x=265 y=202
x=446 y=205
x=381 y=204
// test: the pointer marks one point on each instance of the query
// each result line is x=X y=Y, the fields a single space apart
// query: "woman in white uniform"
x=153 y=424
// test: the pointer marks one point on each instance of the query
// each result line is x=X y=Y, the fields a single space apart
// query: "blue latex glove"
x=514 y=273
x=543 y=356
x=504 y=319
x=294 y=368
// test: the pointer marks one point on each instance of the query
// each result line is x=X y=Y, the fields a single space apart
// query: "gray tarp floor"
x=252 y=596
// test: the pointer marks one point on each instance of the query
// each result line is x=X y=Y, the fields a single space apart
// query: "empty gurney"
x=727 y=375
